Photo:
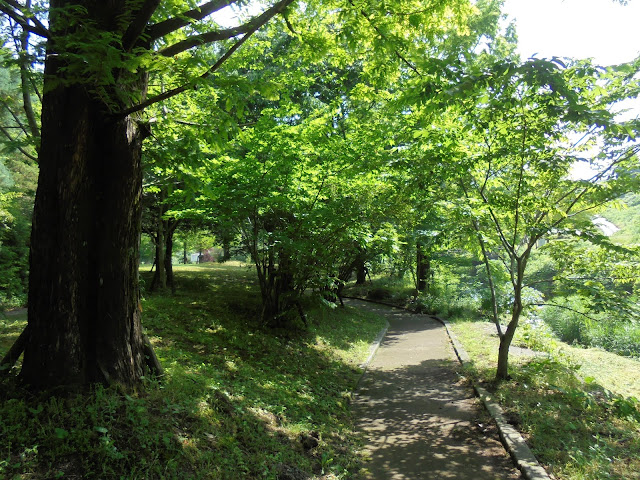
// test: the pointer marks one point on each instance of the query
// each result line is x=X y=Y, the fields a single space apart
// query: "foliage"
x=231 y=405
x=18 y=175
x=579 y=429
x=624 y=215
x=568 y=320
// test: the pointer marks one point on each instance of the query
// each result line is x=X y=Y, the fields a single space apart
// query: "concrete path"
x=420 y=419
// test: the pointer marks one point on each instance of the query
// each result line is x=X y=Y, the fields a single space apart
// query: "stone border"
x=373 y=348
x=512 y=440
x=520 y=452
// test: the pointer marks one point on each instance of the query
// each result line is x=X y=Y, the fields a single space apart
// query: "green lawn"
x=237 y=400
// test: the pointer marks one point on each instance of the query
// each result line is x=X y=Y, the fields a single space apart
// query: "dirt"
x=420 y=417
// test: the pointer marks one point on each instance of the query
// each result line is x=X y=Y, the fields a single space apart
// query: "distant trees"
x=18 y=176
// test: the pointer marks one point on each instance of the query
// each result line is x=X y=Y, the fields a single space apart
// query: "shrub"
x=565 y=320
x=379 y=293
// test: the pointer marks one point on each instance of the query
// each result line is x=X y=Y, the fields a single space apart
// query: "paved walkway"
x=421 y=420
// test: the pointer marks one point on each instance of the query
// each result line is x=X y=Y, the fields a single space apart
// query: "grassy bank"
x=237 y=400
x=576 y=407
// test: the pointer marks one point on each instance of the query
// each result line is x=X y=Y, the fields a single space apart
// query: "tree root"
x=150 y=357
x=14 y=352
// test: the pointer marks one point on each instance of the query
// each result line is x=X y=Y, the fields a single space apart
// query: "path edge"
x=373 y=348
x=512 y=440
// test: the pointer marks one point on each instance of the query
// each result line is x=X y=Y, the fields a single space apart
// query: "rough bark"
x=84 y=316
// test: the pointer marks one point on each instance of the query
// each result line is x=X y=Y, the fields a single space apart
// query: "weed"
x=233 y=404
x=577 y=428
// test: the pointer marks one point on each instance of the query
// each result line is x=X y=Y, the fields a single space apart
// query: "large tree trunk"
x=84 y=315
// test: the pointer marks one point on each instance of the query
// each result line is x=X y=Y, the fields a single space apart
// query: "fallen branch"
x=150 y=357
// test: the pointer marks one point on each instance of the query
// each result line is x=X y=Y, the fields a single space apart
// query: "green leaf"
x=61 y=433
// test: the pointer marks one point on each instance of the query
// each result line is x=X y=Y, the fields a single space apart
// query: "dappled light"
x=419 y=414
x=191 y=203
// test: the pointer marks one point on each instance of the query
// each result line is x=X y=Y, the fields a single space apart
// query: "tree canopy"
x=325 y=140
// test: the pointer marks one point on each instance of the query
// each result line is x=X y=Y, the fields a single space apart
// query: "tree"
x=527 y=126
x=84 y=316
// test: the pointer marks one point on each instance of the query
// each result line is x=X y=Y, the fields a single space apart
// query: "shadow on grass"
x=577 y=429
x=237 y=401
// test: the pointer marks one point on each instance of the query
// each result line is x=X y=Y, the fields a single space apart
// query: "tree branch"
x=176 y=91
x=379 y=32
x=217 y=35
x=564 y=308
x=22 y=150
x=209 y=37
x=14 y=10
x=22 y=47
x=161 y=29
x=19 y=123
x=139 y=24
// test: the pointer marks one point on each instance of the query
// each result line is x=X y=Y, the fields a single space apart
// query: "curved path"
x=420 y=419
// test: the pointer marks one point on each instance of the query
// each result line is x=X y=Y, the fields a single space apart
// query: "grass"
x=572 y=404
x=383 y=288
x=237 y=400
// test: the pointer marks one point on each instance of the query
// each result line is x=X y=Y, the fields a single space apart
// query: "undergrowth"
x=237 y=400
x=579 y=423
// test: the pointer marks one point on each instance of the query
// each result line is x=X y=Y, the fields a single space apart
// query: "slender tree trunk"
x=168 y=255
x=492 y=288
x=226 y=248
x=160 y=277
x=502 y=372
x=185 y=259
x=360 y=267
x=423 y=269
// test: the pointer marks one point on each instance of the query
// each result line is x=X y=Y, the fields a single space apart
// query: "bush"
x=431 y=304
x=565 y=321
x=602 y=331
x=616 y=337
x=379 y=293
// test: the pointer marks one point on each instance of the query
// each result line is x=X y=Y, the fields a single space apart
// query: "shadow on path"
x=419 y=418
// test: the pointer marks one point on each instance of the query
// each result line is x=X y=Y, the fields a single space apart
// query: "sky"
x=600 y=29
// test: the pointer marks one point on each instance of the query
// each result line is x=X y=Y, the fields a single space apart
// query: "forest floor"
x=419 y=415
x=238 y=400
